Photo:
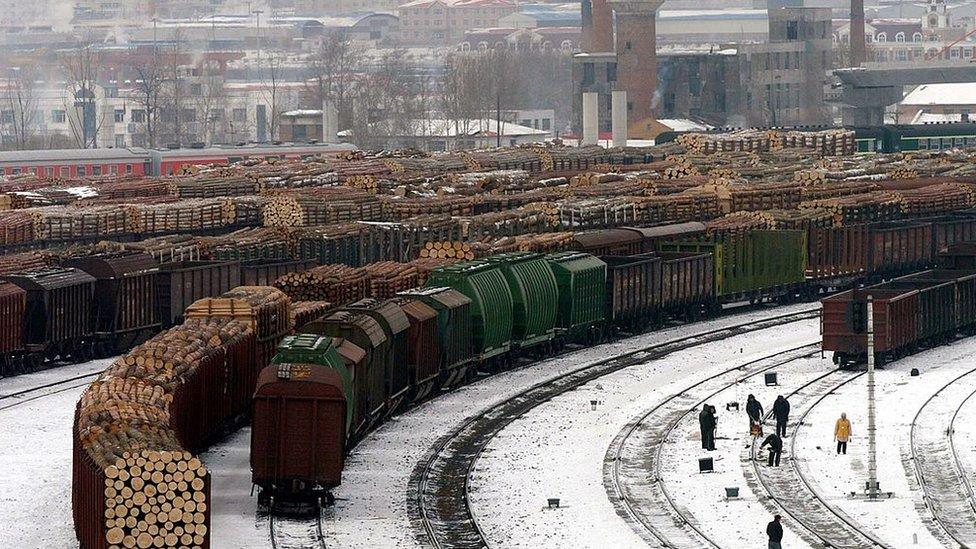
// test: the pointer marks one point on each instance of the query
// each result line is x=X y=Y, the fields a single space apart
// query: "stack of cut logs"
x=303 y=312
x=447 y=250
x=795 y=219
x=67 y=222
x=544 y=243
x=735 y=196
x=833 y=189
x=425 y=265
x=940 y=198
x=859 y=208
x=212 y=187
x=183 y=216
x=338 y=284
x=734 y=224
x=388 y=278
x=24 y=262
x=16 y=227
x=395 y=209
x=681 y=167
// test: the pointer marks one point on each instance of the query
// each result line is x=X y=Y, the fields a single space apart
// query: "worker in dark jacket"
x=775 y=532
x=714 y=414
x=755 y=411
x=781 y=409
x=706 y=421
x=775 y=448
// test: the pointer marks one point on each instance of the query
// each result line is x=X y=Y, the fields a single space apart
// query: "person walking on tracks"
x=781 y=409
x=775 y=532
x=775 y=448
x=842 y=433
x=706 y=421
x=755 y=411
x=711 y=439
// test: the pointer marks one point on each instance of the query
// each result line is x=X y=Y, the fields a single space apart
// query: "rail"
x=440 y=480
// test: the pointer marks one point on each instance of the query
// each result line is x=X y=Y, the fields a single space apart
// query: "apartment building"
x=444 y=22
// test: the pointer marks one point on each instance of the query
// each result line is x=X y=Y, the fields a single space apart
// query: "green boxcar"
x=491 y=302
x=314 y=349
x=581 y=279
x=534 y=292
x=755 y=261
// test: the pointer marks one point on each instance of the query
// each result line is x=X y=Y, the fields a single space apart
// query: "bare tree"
x=80 y=70
x=147 y=93
x=21 y=104
x=210 y=102
x=332 y=72
x=273 y=92
x=174 y=95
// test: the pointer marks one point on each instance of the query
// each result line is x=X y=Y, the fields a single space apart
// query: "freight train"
x=489 y=312
x=889 y=138
x=104 y=304
x=910 y=312
x=80 y=163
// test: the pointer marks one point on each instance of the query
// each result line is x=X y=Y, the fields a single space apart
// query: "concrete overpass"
x=868 y=89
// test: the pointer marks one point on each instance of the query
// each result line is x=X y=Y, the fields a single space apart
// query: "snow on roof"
x=437 y=127
x=922 y=117
x=303 y=112
x=424 y=3
x=684 y=124
x=942 y=94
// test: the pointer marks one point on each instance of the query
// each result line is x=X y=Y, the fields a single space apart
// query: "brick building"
x=444 y=22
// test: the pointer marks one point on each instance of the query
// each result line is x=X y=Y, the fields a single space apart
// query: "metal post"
x=872 y=491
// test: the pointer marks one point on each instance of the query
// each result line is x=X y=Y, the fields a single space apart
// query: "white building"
x=436 y=135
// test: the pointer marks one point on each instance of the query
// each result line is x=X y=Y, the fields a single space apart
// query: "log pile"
x=263 y=308
x=449 y=249
x=134 y=189
x=859 y=208
x=249 y=243
x=795 y=219
x=244 y=210
x=167 y=249
x=425 y=265
x=335 y=283
x=321 y=206
x=183 y=216
x=545 y=242
x=347 y=243
x=681 y=167
x=736 y=196
x=212 y=187
x=67 y=222
x=690 y=205
x=303 y=312
x=940 y=198
x=509 y=223
x=16 y=227
x=395 y=209
x=388 y=278
x=834 y=189
x=733 y=225
x=25 y=262
x=598 y=213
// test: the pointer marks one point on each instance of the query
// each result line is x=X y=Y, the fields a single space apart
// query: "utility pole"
x=872 y=483
x=498 y=119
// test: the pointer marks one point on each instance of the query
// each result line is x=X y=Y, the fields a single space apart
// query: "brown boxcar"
x=634 y=290
x=423 y=347
x=652 y=236
x=125 y=298
x=947 y=230
x=395 y=324
x=617 y=242
x=936 y=307
x=454 y=331
x=687 y=283
x=368 y=335
x=961 y=255
x=180 y=284
x=836 y=252
x=299 y=430
x=965 y=293
x=899 y=247
x=13 y=303
x=844 y=317
x=261 y=272
x=58 y=321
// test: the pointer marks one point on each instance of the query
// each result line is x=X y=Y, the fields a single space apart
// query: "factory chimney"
x=636 y=47
x=591 y=118
x=858 y=47
x=597 y=26
x=330 y=122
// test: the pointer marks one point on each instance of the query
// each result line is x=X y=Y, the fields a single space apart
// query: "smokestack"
x=636 y=47
x=618 y=118
x=597 y=26
x=330 y=122
x=591 y=117
x=858 y=48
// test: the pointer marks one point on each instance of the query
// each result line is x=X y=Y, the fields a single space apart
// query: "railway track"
x=946 y=487
x=17 y=398
x=439 y=505
x=295 y=532
x=631 y=471
x=791 y=491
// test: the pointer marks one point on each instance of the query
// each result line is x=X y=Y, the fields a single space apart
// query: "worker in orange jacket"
x=842 y=433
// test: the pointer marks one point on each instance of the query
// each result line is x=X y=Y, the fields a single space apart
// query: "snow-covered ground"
x=558 y=450
x=35 y=460
x=896 y=521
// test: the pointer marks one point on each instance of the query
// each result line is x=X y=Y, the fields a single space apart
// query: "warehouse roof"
x=942 y=94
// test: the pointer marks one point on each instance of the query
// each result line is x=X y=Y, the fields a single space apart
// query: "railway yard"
x=498 y=348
